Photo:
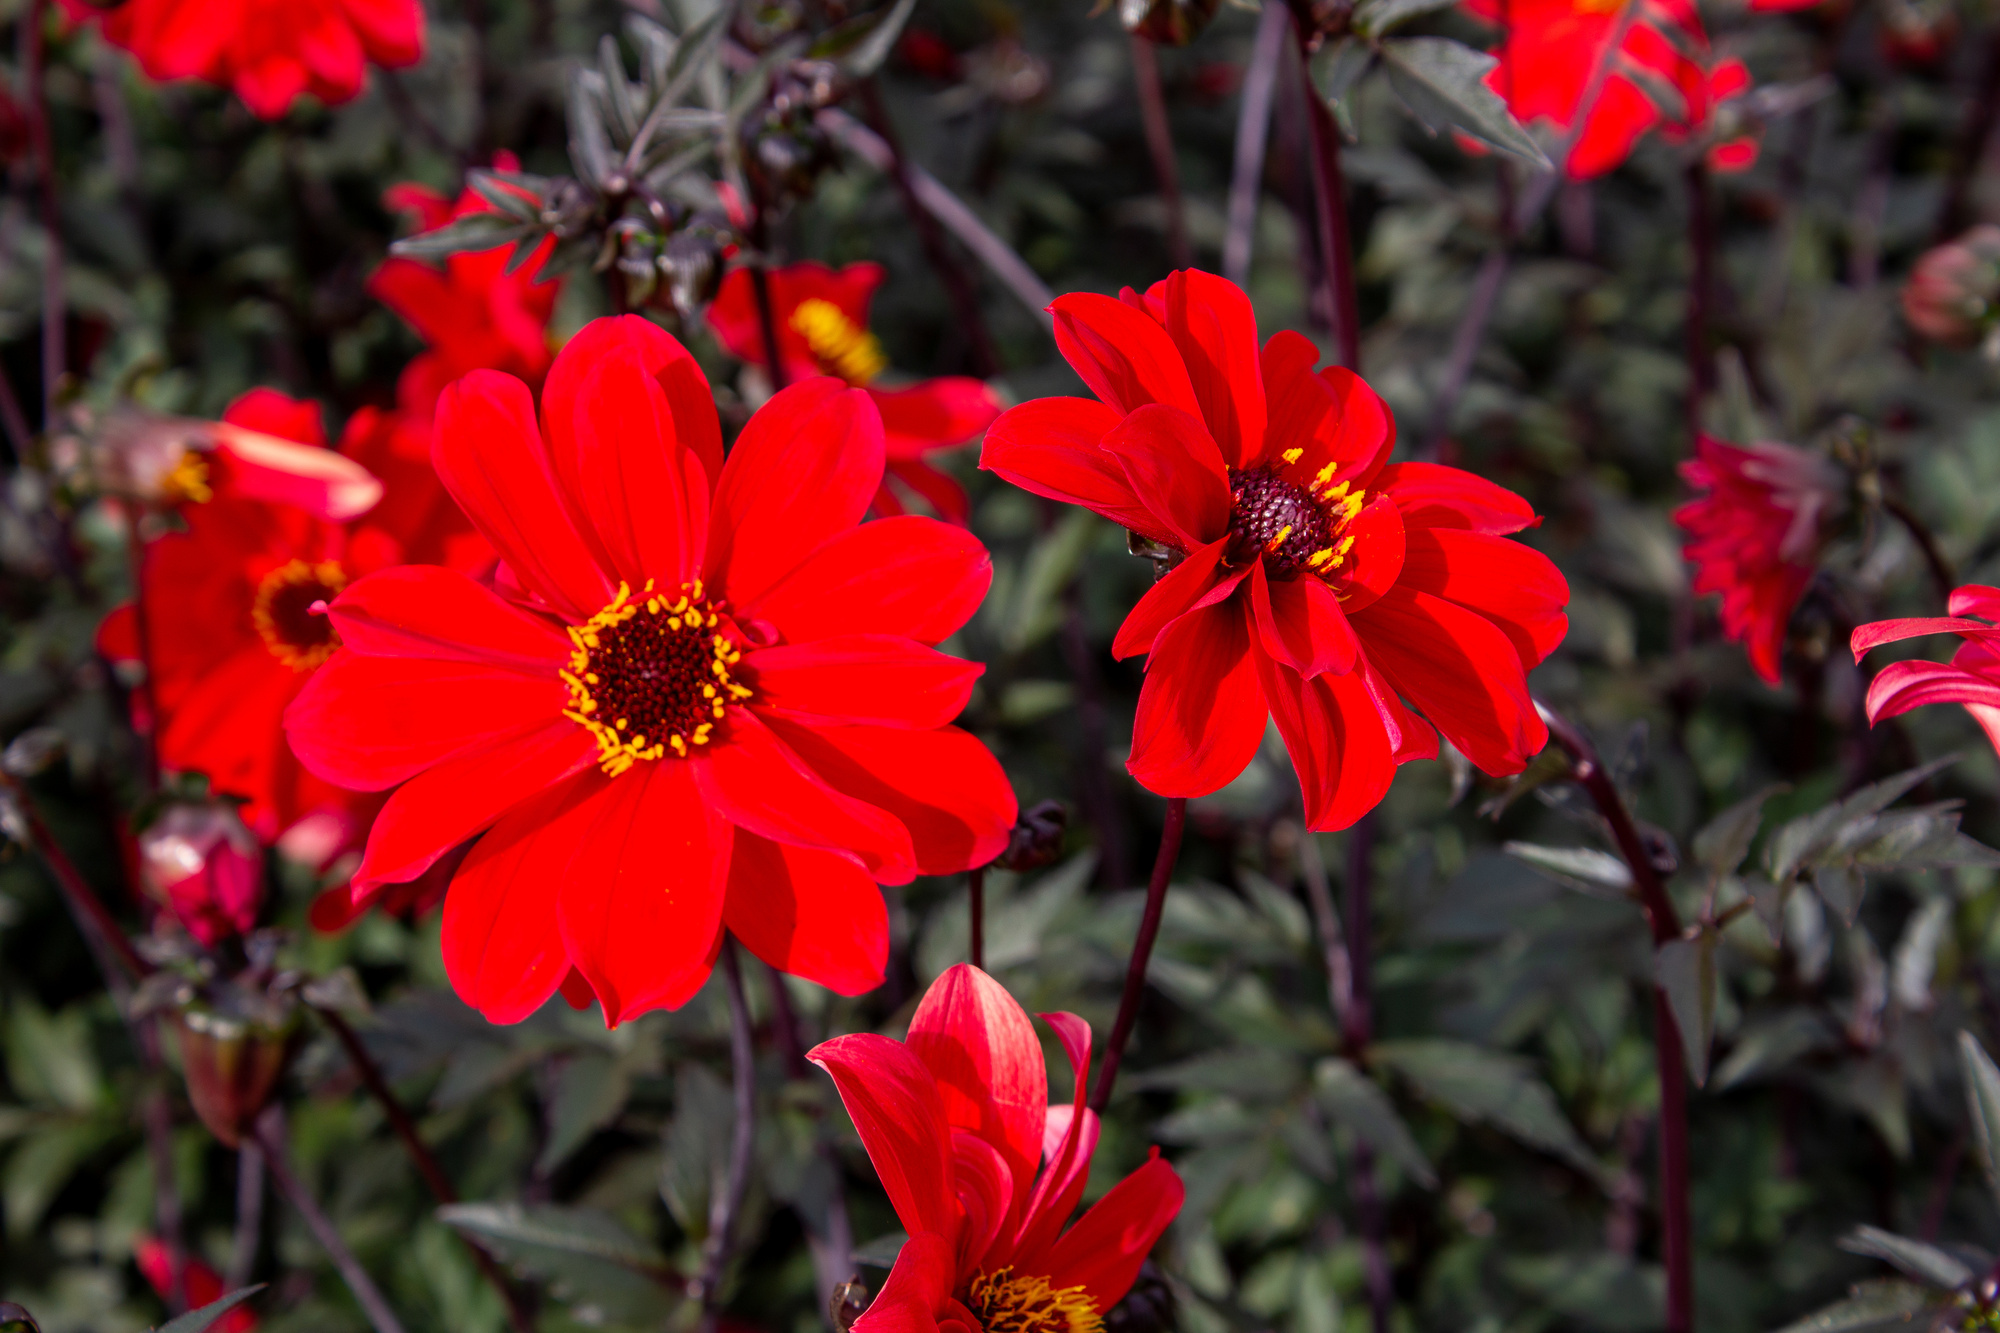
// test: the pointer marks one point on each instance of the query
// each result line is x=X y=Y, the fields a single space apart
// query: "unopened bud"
x=1953 y=295
x=232 y=1066
x=203 y=865
x=1037 y=838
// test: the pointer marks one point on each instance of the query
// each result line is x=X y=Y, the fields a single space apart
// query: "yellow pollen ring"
x=1009 y=1304
x=841 y=346
x=329 y=577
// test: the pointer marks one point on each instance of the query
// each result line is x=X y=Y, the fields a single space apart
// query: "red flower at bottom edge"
x=957 y=1120
x=201 y=1285
x=1972 y=678
x=822 y=325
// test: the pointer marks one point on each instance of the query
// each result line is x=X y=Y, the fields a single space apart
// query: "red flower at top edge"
x=957 y=1120
x=698 y=694
x=1754 y=538
x=270 y=51
x=1972 y=677
x=822 y=325
x=1317 y=582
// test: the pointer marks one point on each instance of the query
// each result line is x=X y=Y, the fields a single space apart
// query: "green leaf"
x=1585 y=869
x=862 y=43
x=696 y=1160
x=1685 y=970
x=1874 y=1307
x=1338 y=66
x=591 y=1089
x=1800 y=841
x=1770 y=1043
x=1489 y=1087
x=195 y=1321
x=1373 y=18
x=1353 y=1099
x=1921 y=1260
x=1036 y=607
x=1724 y=841
x=1982 y=1096
x=588 y=1259
x=474 y=231
x=503 y=197
x=1441 y=81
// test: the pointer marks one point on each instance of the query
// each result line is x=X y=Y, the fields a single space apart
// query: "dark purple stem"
x=1142 y=952
x=1336 y=246
x=1701 y=293
x=1160 y=143
x=976 y=887
x=724 y=1209
x=54 y=302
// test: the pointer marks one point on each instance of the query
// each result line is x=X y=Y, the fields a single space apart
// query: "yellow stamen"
x=1009 y=1304
x=841 y=346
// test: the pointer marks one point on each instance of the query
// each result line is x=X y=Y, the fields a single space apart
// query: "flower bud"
x=232 y=1066
x=1037 y=837
x=1950 y=297
x=203 y=865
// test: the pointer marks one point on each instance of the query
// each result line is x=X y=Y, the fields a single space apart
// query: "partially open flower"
x=204 y=866
x=1950 y=297
x=232 y=1063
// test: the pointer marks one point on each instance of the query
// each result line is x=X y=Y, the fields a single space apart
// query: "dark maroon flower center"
x=1281 y=520
x=284 y=612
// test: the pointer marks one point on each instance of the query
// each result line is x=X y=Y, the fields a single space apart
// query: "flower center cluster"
x=1009 y=1304
x=651 y=674
x=841 y=346
x=283 y=612
x=1294 y=527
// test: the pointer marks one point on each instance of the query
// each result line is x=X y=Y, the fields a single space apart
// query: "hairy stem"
x=1160 y=143
x=1253 y=132
x=724 y=1208
x=1142 y=952
x=271 y=1136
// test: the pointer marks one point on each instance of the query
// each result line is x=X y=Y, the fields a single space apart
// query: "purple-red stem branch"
x=271 y=1136
x=1142 y=952
x=976 y=888
x=33 y=29
x=1336 y=246
x=1160 y=143
x=1701 y=293
x=724 y=1209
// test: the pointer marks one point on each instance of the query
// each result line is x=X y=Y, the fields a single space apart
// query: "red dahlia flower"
x=1972 y=677
x=1953 y=295
x=822 y=321
x=206 y=868
x=956 y=1121
x=201 y=1285
x=1755 y=536
x=697 y=695
x=1551 y=47
x=1318 y=582
x=473 y=312
x=269 y=51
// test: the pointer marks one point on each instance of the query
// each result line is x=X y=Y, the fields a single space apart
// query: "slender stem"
x=1336 y=246
x=14 y=421
x=249 y=1214
x=1333 y=945
x=1701 y=293
x=1253 y=132
x=100 y=928
x=1676 y=1218
x=767 y=320
x=422 y=1158
x=55 y=303
x=724 y=1208
x=833 y=1246
x=1972 y=141
x=271 y=1135
x=957 y=283
x=1142 y=952
x=1094 y=795
x=1359 y=1031
x=1943 y=578
x=158 y=1114
x=976 y=887
x=1160 y=143
x=135 y=555
x=1465 y=342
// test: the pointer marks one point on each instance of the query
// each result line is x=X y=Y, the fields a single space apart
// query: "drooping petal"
x=1103 y=1251
x=641 y=901
x=1432 y=495
x=803 y=470
x=1176 y=471
x=895 y=1105
x=813 y=914
x=1201 y=711
x=489 y=454
x=759 y=784
x=1461 y=671
x=1125 y=357
x=663 y=358
x=878 y=679
x=1050 y=447
x=502 y=941
x=1874 y=635
x=1300 y=623
x=1901 y=686
x=981 y=1047
x=911 y=576
x=918 y=1286
x=424 y=611
x=1514 y=586
x=1199 y=580
x=944 y=785
x=1211 y=322
x=273 y=470
x=1339 y=746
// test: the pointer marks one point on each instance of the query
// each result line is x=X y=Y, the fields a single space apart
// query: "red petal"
x=1201 y=711
x=895 y=1105
x=802 y=471
x=502 y=941
x=489 y=455
x=878 y=679
x=1901 y=686
x=935 y=414
x=696 y=425
x=443 y=806
x=1461 y=671
x=1049 y=447
x=1125 y=357
x=1330 y=417
x=1871 y=636
x=1192 y=583
x=1176 y=471
x=1976 y=599
x=1211 y=322
x=1375 y=561
x=641 y=900
x=812 y=914
x=1061 y=1184
x=910 y=576
x=918 y=1286
x=1103 y=1251
x=944 y=785
x=1338 y=743
x=423 y=611
x=1432 y=495
x=118 y=635
x=758 y=783
x=937 y=488
x=1300 y=623
x=1514 y=586
x=297 y=419
x=269 y=470
x=982 y=1049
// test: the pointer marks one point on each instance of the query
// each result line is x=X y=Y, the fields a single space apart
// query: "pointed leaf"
x=1353 y=1099
x=1443 y=83
x=1874 y=1307
x=196 y=1321
x=1585 y=869
x=1982 y=1096
x=1921 y=1260
x=1490 y=1087
x=1725 y=840
x=1685 y=970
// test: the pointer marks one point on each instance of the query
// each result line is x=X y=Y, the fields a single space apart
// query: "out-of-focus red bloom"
x=1953 y=290
x=236 y=622
x=957 y=1120
x=1318 y=582
x=200 y=1284
x=1754 y=537
x=929 y=54
x=206 y=867
x=270 y=51
x=474 y=314
x=1972 y=678
x=684 y=704
x=822 y=319
x=1550 y=48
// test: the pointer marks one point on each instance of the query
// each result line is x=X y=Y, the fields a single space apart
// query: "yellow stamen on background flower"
x=188 y=481
x=841 y=346
x=282 y=612
x=1009 y=1304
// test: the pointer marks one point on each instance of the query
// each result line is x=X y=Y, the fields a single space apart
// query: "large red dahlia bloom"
x=1755 y=536
x=822 y=326
x=270 y=51
x=957 y=1120
x=697 y=695
x=1317 y=583
x=1972 y=677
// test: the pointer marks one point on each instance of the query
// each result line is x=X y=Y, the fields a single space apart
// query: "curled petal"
x=1201 y=711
